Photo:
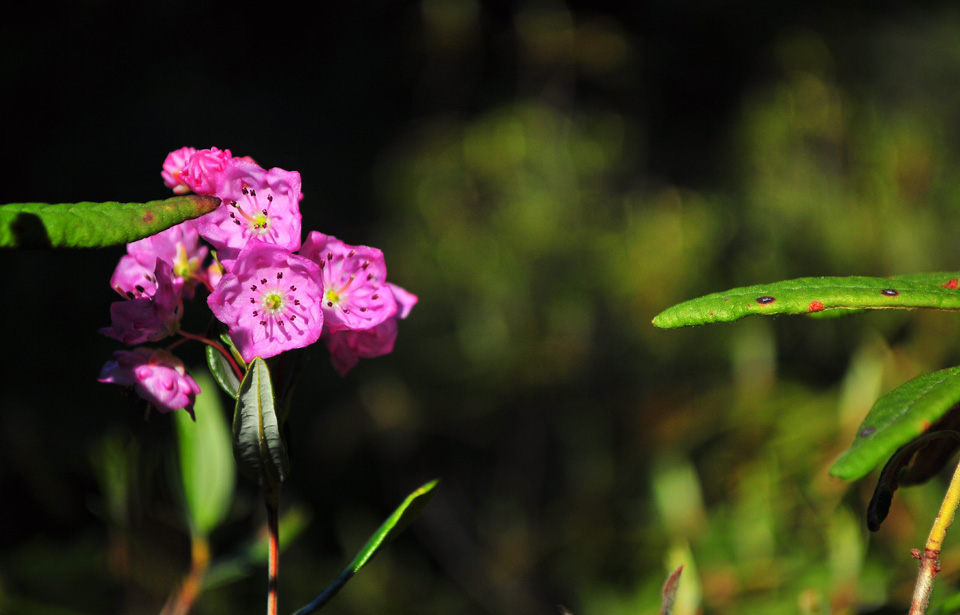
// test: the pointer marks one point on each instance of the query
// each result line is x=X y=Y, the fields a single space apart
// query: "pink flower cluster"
x=273 y=292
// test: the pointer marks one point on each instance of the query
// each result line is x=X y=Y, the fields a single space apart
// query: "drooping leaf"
x=257 y=443
x=206 y=463
x=897 y=418
x=94 y=225
x=817 y=295
x=891 y=477
x=395 y=523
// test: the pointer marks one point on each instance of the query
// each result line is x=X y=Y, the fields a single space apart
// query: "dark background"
x=546 y=176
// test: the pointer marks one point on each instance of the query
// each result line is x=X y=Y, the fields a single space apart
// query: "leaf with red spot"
x=94 y=225
x=820 y=296
x=897 y=418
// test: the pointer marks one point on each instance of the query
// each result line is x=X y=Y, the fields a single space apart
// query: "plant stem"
x=274 y=558
x=209 y=342
x=180 y=603
x=930 y=558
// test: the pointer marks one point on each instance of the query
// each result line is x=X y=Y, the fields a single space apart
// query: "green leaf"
x=94 y=225
x=394 y=524
x=817 y=295
x=222 y=371
x=206 y=464
x=257 y=443
x=897 y=418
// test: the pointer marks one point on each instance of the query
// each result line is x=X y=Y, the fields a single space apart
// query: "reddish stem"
x=273 y=565
x=209 y=342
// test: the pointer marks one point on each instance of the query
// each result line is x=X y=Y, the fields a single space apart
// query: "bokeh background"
x=546 y=176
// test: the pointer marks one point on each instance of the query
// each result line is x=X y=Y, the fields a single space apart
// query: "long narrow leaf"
x=394 y=524
x=206 y=464
x=94 y=225
x=817 y=295
x=897 y=418
x=257 y=443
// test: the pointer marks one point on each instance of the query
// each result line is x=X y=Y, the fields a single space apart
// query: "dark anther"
x=253 y=287
x=253 y=193
x=296 y=302
x=269 y=198
x=363 y=309
x=279 y=275
x=263 y=280
x=293 y=288
x=256 y=312
x=329 y=303
x=139 y=288
x=375 y=296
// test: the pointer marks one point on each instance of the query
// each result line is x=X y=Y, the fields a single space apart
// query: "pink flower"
x=270 y=301
x=147 y=317
x=203 y=170
x=178 y=246
x=173 y=167
x=256 y=204
x=156 y=375
x=354 y=296
x=348 y=347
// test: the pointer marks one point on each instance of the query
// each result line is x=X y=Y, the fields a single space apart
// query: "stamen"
x=279 y=275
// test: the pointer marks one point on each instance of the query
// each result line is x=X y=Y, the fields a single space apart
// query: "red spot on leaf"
x=926 y=425
x=726 y=298
x=148 y=217
x=951 y=284
x=816 y=306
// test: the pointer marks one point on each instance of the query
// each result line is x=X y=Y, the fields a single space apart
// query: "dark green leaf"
x=222 y=371
x=94 y=225
x=890 y=479
x=817 y=295
x=394 y=524
x=257 y=444
x=897 y=418
x=206 y=464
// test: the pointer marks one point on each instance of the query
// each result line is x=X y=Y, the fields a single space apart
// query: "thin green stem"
x=930 y=558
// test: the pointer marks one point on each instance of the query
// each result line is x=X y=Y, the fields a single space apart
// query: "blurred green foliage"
x=585 y=454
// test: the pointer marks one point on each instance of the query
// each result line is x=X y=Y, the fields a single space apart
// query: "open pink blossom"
x=147 y=317
x=173 y=167
x=155 y=375
x=269 y=300
x=354 y=296
x=348 y=347
x=179 y=246
x=203 y=170
x=257 y=204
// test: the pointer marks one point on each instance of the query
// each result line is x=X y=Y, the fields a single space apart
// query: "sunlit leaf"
x=897 y=418
x=257 y=444
x=817 y=295
x=94 y=225
x=395 y=523
x=206 y=464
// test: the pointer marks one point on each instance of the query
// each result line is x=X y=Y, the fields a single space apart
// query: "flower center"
x=272 y=302
x=259 y=220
